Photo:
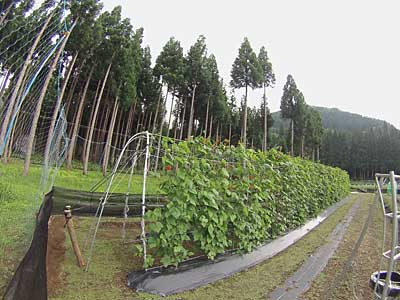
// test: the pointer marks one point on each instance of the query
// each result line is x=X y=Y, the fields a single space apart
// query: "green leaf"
x=225 y=173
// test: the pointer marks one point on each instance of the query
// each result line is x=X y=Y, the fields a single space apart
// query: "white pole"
x=100 y=209
x=394 y=237
x=126 y=208
x=143 y=235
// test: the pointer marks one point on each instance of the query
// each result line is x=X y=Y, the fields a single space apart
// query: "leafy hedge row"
x=222 y=198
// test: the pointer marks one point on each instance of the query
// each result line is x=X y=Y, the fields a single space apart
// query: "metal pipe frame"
x=394 y=244
x=379 y=183
x=395 y=232
x=102 y=204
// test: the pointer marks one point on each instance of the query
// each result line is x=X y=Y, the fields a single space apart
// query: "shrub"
x=222 y=197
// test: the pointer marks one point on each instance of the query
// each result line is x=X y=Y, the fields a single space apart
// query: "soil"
x=55 y=253
x=114 y=230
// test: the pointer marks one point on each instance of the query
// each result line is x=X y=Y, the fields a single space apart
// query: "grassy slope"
x=17 y=214
x=18 y=206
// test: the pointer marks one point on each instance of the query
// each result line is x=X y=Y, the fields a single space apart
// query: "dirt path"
x=55 y=253
x=300 y=281
x=355 y=282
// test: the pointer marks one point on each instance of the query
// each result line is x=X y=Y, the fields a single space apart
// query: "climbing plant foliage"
x=222 y=198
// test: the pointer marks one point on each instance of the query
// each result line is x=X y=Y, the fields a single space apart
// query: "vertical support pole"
x=380 y=182
x=74 y=241
x=158 y=152
x=126 y=208
x=143 y=234
x=394 y=236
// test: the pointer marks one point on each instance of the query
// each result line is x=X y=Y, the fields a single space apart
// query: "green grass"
x=19 y=202
x=364 y=263
x=362 y=184
x=17 y=213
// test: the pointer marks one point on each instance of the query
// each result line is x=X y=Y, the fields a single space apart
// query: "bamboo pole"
x=74 y=241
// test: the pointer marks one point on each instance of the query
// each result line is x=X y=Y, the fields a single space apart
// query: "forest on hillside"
x=109 y=87
x=358 y=144
x=334 y=118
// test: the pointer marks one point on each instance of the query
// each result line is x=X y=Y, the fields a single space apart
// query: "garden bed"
x=113 y=259
x=195 y=273
x=111 y=242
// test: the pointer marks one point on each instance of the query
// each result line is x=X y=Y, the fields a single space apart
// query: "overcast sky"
x=342 y=53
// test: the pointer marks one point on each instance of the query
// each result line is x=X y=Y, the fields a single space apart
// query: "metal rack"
x=386 y=284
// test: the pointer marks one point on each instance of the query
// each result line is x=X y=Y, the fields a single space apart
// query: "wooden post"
x=71 y=230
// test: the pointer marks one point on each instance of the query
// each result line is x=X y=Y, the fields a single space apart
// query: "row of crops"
x=224 y=198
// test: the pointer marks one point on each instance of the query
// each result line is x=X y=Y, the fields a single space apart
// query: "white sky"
x=342 y=53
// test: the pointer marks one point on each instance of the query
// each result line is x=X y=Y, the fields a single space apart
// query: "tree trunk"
x=292 y=137
x=156 y=114
x=183 y=119
x=77 y=122
x=109 y=138
x=191 y=115
x=21 y=76
x=3 y=88
x=128 y=125
x=149 y=122
x=206 y=125
x=56 y=111
x=170 y=113
x=211 y=125
x=144 y=120
x=128 y=128
x=90 y=121
x=102 y=132
x=318 y=153
x=36 y=115
x=230 y=133
x=121 y=129
x=160 y=134
x=265 y=121
x=5 y=14
x=217 y=136
x=89 y=144
x=98 y=135
x=244 y=138
x=71 y=94
x=9 y=144
x=140 y=119
x=177 y=121
x=116 y=137
x=302 y=146
x=73 y=85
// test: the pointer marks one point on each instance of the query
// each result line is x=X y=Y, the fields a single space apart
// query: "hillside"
x=333 y=118
x=360 y=145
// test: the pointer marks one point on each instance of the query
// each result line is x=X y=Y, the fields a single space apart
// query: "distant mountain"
x=360 y=145
x=333 y=118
